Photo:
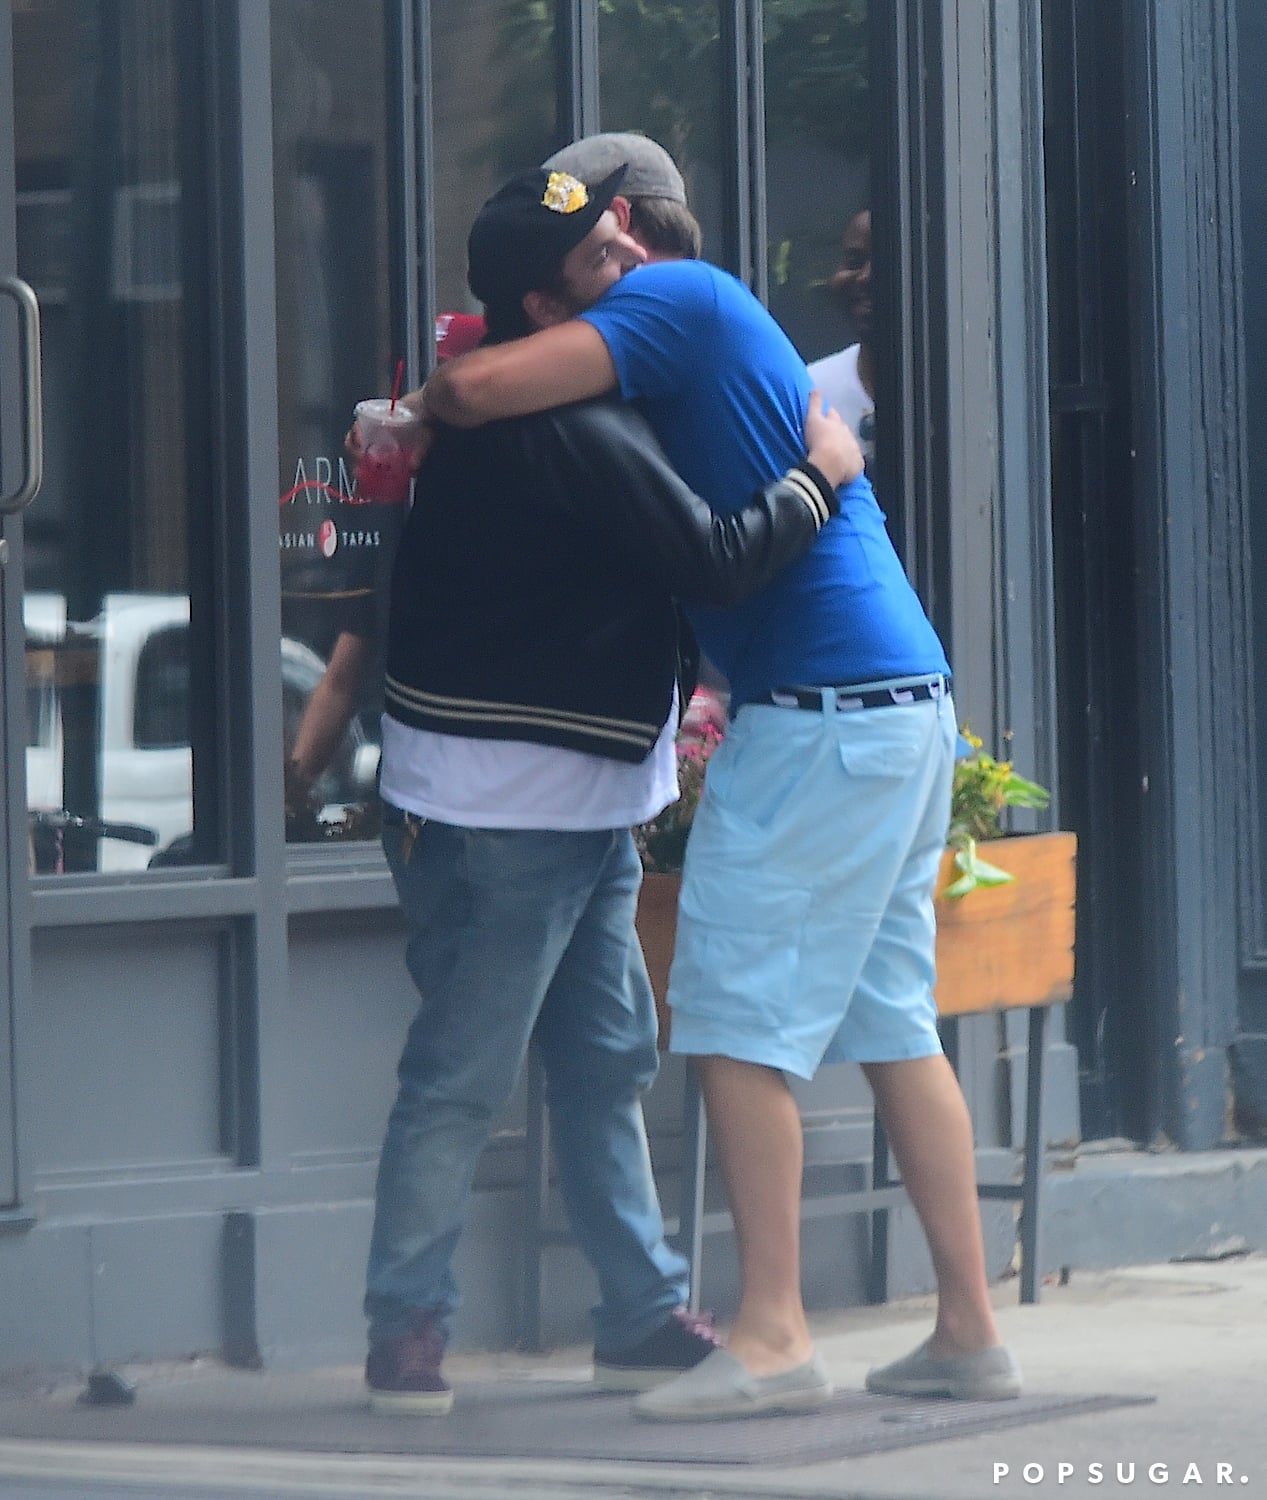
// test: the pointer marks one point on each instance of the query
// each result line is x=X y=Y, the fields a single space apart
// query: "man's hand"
x=297 y=790
x=830 y=444
x=426 y=435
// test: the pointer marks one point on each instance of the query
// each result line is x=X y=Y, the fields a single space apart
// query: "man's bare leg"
x=756 y=1123
x=926 y=1119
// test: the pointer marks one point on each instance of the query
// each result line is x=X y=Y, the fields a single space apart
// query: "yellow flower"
x=564 y=193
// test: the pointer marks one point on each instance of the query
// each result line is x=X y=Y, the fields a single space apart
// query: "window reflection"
x=847 y=377
x=112 y=229
x=818 y=145
x=332 y=151
x=661 y=74
x=160 y=714
x=493 y=85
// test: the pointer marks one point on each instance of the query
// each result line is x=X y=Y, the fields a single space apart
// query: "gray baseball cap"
x=652 y=171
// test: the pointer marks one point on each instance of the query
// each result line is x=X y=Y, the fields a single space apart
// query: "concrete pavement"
x=1192 y=1335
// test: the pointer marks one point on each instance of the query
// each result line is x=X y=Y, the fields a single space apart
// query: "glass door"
x=26 y=384
x=110 y=752
x=110 y=201
x=21 y=455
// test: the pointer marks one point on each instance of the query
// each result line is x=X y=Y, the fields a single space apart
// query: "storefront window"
x=494 y=87
x=333 y=144
x=818 y=169
x=112 y=224
x=661 y=74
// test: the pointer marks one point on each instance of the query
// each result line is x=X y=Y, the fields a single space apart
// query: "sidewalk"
x=1194 y=1336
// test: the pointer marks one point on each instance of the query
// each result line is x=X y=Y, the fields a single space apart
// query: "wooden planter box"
x=1008 y=945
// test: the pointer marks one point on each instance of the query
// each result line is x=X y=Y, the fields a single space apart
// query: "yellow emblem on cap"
x=564 y=193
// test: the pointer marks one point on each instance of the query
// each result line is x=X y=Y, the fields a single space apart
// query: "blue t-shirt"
x=726 y=392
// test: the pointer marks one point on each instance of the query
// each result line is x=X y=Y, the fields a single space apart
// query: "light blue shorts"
x=806 y=931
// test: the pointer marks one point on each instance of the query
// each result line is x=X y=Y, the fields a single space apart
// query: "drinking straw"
x=400 y=370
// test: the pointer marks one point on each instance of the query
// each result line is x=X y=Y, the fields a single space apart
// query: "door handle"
x=33 y=427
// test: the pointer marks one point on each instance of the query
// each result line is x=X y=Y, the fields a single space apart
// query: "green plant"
x=983 y=789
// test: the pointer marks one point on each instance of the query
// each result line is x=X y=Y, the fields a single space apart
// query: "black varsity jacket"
x=535 y=587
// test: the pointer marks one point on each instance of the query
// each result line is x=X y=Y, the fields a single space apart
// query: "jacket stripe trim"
x=420 y=698
x=808 y=491
x=630 y=731
x=591 y=732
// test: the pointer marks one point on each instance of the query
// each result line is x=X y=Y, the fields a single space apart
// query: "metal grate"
x=526 y=1417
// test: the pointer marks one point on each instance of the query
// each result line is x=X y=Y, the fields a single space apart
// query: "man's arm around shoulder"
x=554 y=367
x=603 y=463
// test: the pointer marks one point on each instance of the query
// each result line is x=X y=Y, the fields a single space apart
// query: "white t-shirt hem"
x=479 y=783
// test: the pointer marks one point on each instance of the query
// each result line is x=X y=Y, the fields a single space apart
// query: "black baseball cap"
x=524 y=232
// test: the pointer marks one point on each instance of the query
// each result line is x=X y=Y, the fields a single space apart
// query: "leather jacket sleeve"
x=601 y=460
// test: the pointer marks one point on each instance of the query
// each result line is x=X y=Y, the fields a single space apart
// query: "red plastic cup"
x=389 y=438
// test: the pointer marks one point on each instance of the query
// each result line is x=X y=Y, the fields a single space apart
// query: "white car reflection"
x=136 y=654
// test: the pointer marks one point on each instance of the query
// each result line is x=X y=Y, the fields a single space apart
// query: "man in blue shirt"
x=806 y=931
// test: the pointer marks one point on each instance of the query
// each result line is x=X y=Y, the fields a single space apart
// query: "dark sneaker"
x=680 y=1343
x=403 y=1373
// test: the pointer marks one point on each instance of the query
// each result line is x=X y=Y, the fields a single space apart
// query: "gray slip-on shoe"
x=720 y=1387
x=990 y=1375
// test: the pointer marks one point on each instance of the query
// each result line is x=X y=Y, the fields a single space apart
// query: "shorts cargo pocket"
x=889 y=743
x=738 y=951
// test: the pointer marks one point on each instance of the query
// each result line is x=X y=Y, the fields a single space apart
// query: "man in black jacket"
x=532 y=694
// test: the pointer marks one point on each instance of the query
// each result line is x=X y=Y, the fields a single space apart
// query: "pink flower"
x=662 y=841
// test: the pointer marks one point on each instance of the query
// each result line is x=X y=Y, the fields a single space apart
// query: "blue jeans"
x=512 y=935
